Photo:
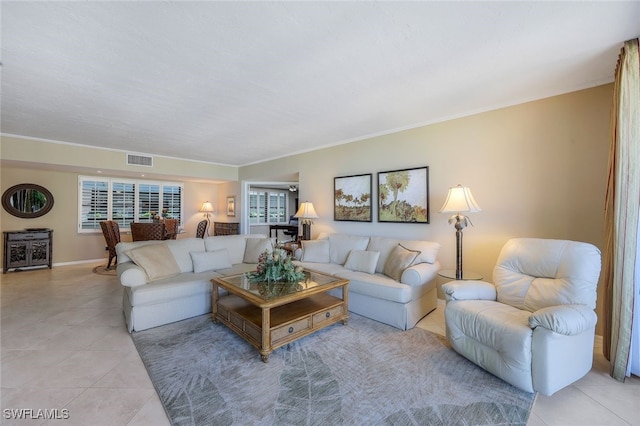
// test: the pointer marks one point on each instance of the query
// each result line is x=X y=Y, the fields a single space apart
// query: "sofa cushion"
x=181 y=249
x=255 y=247
x=498 y=336
x=210 y=260
x=325 y=268
x=384 y=246
x=235 y=244
x=377 y=285
x=362 y=260
x=156 y=260
x=316 y=251
x=341 y=245
x=399 y=259
x=183 y=285
x=123 y=247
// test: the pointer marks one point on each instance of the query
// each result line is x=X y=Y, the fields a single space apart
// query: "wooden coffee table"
x=272 y=315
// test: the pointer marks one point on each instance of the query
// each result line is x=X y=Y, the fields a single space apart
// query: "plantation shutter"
x=148 y=202
x=172 y=201
x=123 y=196
x=94 y=203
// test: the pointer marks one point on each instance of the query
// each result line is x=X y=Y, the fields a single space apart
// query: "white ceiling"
x=242 y=82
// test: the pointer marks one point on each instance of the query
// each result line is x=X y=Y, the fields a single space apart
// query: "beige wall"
x=536 y=169
x=68 y=244
x=110 y=162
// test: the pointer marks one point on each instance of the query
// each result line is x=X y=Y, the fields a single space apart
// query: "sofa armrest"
x=569 y=320
x=469 y=290
x=420 y=274
x=131 y=275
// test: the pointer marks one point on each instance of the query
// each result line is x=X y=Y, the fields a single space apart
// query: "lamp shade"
x=459 y=199
x=306 y=211
x=206 y=207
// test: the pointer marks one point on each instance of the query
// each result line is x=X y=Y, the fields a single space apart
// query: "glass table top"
x=273 y=290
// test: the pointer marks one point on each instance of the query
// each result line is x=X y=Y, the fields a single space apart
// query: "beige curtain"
x=622 y=207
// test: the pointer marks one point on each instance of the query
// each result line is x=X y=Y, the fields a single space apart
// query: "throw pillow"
x=156 y=260
x=315 y=251
x=255 y=247
x=210 y=260
x=428 y=250
x=362 y=261
x=399 y=259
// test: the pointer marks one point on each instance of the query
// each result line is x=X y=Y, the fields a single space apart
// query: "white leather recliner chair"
x=534 y=327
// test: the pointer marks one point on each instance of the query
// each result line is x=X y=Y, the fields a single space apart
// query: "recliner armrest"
x=569 y=320
x=469 y=290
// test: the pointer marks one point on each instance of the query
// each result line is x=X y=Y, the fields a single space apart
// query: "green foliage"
x=276 y=266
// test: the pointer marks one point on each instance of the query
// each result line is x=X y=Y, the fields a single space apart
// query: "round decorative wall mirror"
x=27 y=200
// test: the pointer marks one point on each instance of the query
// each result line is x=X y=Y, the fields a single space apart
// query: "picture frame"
x=231 y=206
x=352 y=198
x=403 y=195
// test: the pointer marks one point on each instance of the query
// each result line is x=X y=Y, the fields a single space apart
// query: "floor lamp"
x=207 y=209
x=459 y=200
x=306 y=212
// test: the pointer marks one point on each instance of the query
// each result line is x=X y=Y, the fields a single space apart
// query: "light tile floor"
x=64 y=346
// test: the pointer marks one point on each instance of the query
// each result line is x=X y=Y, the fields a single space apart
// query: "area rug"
x=102 y=270
x=364 y=372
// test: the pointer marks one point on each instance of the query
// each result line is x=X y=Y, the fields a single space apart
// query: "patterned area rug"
x=362 y=373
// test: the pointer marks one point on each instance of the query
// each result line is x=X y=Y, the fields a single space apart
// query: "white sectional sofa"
x=171 y=280
x=391 y=280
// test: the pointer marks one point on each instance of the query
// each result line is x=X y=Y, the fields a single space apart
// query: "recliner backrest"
x=534 y=273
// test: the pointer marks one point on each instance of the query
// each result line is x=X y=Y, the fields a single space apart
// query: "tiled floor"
x=64 y=346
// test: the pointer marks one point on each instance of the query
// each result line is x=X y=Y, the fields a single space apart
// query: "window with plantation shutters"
x=123 y=196
x=277 y=207
x=149 y=202
x=94 y=204
x=172 y=201
x=126 y=201
x=268 y=207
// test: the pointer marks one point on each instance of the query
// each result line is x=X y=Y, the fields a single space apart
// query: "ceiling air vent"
x=139 y=160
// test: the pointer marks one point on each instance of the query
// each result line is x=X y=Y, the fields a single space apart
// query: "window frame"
x=110 y=182
x=267 y=194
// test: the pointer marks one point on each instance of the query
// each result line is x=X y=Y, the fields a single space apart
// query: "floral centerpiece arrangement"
x=276 y=266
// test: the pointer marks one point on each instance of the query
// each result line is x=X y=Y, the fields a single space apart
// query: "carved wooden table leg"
x=266 y=350
x=214 y=303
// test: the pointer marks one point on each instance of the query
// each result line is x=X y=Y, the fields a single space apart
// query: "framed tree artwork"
x=352 y=198
x=403 y=196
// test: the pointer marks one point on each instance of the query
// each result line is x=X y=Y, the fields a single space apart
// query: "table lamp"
x=306 y=212
x=207 y=209
x=459 y=200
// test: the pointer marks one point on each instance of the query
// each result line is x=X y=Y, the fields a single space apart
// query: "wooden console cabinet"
x=226 y=228
x=23 y=249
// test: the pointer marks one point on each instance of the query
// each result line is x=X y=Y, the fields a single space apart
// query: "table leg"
x=345 y=298
x=214 y=303
x=265 y=347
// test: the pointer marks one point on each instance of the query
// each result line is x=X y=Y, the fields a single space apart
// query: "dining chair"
x=202 y=227
x=171 y=228
x=292 y=233
x=111 y=232
x=147 y=231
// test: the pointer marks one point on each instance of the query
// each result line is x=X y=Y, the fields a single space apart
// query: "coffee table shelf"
x=274 y=322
